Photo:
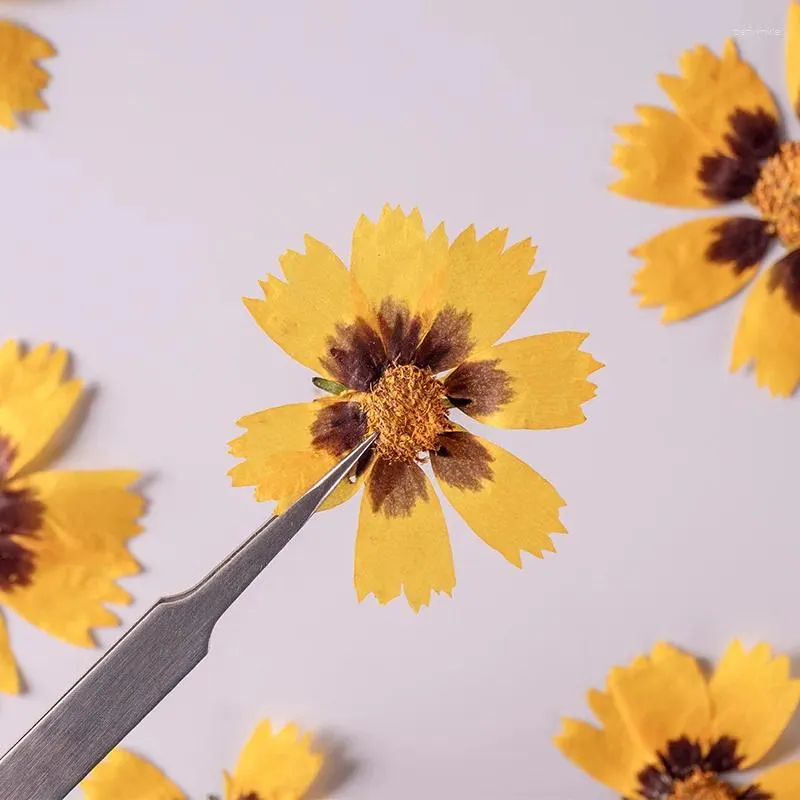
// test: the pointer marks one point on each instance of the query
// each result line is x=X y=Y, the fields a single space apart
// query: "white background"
x=189 y=144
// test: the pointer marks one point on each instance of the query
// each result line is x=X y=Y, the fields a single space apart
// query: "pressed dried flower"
x=723 y=143
x=404 y=338
x=272 y=766
x=669 y=732
x=63 y=534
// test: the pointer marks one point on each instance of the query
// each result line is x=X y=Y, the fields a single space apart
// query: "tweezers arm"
x=108 y=702
x=146 y=663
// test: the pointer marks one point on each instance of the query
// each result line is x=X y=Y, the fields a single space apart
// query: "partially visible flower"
x=21 y=77
x=272 y=766
x=63 y=535
x=724 y=142
x=402 y=338
x=669 y=733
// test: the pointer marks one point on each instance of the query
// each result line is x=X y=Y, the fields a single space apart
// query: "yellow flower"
x=401 y=338
x=272 y=766
x=669 y=733
x=21 y=78
x=63 y=534
x=723 y=143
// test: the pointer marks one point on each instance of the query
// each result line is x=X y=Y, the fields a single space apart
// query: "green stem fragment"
x=328 y=386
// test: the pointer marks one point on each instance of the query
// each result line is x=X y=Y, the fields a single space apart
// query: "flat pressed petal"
x=21 y=78
x=122 y=775
x=487 y=286
x=692 y=267
x=780 y=783
x=35 y=401
x=753 y=699
x=402 y=543
x=768 y=335
x=303 y=313
x=9 y=674
x=288 y=448
x=607 y=753
x=793 y=55
x=660 y=160
x=662 y=697
x=509 y=505
x=711 y=89
x=79 y=552
x=537 y=382
x=395 y=259
x=274 y=765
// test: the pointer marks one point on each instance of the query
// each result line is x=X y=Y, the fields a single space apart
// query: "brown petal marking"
x=248 y=796
x=356 y=356
x=722 y=755
x=754 y=134
x=339 y=427
x=448 y=342
x=754 y=792
x=741 y=242
x=16 y=565
x=727 y=178
x=395 y=486
x=653 y=784
x=462 y=461
x=20 y=516
x=400 y=331
x=786 y=274
x=363 y=464
x=479 y=388
x=682 y=759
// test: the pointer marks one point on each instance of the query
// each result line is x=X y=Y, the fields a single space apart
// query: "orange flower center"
x=407 y=408
x=702 y=786
x=777 y=193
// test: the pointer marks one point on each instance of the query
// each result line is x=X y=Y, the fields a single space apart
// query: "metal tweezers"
x=150 y=660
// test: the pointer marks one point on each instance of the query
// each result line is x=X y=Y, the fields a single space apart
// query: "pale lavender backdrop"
x=189 y=144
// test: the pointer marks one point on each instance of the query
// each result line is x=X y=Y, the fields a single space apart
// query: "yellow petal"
x=608 y=753
x=79 y=552
x=402 y=542
x=780 y=783
x=724 y=111
x=711 y=89
x=793 y=55
x=537 y=382
x=394 y=258
x=125 y=776
x=274 y=766
x=489 y=283
x=280 y=456
x=35 y=401
x=680 y=272
x=511 y=507
x=769 y=335
x=9 y=674
x=301 y=315
x=662 y=697
x=660 y=160
x=753 y=699
x=21 y=78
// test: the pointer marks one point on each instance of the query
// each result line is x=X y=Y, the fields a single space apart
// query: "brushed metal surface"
x=146 y=663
